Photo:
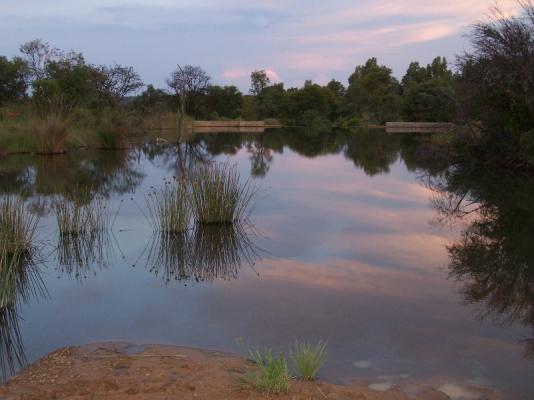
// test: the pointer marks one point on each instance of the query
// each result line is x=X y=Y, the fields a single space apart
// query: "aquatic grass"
x=219 y=195
x=220 y=251
x=168 y=208
x=308 y=359
x=75 y=216
x=12 y=351
x=273 y=375
x=17 y=226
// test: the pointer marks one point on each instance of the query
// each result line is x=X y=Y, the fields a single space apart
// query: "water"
x=354 y=241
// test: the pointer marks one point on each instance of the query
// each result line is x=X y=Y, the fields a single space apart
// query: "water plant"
x=168 y=208
x=273 y=375
x=17 y=226
x=77 y=216
x=219 y=195
x=308 y=359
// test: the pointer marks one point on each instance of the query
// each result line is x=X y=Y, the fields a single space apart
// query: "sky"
x=293 y=40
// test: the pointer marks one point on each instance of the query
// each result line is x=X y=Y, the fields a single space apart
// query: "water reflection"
x=104 y=172
x=494 y=258
x=207 y=253
x=20 y=282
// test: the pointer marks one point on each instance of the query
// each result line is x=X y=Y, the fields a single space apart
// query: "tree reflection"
x=104 y=172
x=372 y=150
x=494 y=258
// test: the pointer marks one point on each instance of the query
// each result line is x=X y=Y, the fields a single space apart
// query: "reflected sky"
x=345 y=257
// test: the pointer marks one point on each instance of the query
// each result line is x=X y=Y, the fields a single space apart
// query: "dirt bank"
x=125 y=371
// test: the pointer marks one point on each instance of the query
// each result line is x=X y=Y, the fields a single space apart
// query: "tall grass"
x=168 y=208
x=308 y=359
x=219 y=195
x=52 y=127
x=17 y=226
x=51 y=133
x=273 y=375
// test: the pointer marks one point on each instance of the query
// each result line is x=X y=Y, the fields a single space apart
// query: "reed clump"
x=76 y=217
x=168 y=208
x=17 y=226
x=51 y=133
x=308 y=359
x=219 y=195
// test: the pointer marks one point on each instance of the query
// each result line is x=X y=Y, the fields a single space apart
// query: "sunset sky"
x=293 y=40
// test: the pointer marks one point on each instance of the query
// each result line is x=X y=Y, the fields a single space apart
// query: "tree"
x=117 y=81
x=428 y=93
x=373 y=93
x=258 y=81
x=38 y=54
x=496 y=86
x=13 y=79
x=188 y=84
x=224 y=101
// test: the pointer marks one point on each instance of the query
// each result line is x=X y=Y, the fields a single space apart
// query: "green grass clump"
x=308 y=359
x=168 y=208
x=273 y=375
x=218 y=195
x=17 y=226
x=51 y=133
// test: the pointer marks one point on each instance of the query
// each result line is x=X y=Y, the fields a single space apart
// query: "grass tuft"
x=219 y=196
x=17 y=226
x=168 y=208
x=273 y=375
x=308 y=359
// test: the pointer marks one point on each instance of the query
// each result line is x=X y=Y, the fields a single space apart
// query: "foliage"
x=308 y=359
x=258 y=82
x=428 y=93
x=223 y=101
x=495 y=88
x=13 y=79
x=373 y=93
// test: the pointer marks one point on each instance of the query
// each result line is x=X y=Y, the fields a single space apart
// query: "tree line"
x=489 y=94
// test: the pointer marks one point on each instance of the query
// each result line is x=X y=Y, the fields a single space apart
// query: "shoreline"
x=120 y=370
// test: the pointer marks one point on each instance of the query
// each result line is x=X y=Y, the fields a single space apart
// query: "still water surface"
x=345 y=246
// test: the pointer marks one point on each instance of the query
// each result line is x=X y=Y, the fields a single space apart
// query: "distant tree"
x=373 y=92
x=274 y=102
x=336 y=87
x=14 y=76
x=258 y=81
x=415 y=74
x=224 y=101
x=188 y=84
x=152 y=99
x=117 y=81
x=38 y=54
x=428 y=93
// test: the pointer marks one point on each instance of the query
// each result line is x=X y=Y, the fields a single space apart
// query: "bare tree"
x=187 y=84
x=117 y=81
x=38 y=54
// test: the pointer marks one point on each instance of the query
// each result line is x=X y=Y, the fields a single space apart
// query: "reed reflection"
x=20 y=282
x=204 y=254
